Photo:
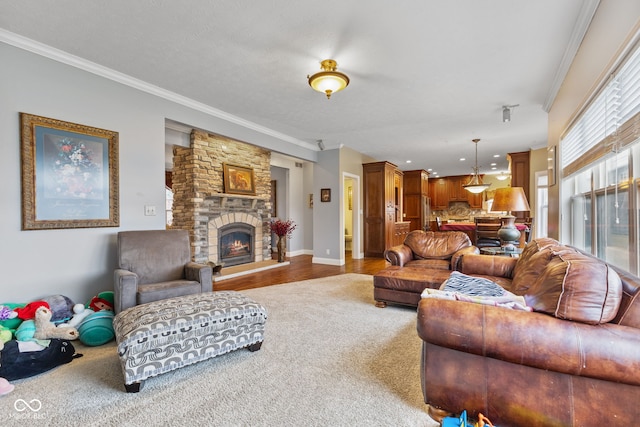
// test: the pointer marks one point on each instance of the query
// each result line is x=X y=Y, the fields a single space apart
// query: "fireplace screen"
x=236 y=244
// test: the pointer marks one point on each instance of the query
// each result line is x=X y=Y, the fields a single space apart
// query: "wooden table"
x=498 y=251
x=470 y=229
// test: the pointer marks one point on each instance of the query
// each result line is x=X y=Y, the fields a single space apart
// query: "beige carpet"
x=330 y=358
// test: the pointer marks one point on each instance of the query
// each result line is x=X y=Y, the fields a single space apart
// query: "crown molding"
x=583 y=21
x=61 y=56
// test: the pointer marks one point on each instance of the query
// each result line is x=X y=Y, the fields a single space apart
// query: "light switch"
x=149 y=210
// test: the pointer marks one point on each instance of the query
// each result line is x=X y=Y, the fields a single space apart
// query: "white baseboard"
x=328 y=261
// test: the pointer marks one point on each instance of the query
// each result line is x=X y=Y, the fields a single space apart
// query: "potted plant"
x=284 y=230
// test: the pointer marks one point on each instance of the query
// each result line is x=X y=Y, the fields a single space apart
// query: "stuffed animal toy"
x=11 y=323
x=25 y=331
x=102 y=301
x=45 y=329
x=61 y=307
x=80 y=312
x=7 y=313
x=5 y=335
x=28 y=311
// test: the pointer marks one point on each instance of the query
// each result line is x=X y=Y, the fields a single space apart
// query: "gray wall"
x=79 y=263
x=327 y=230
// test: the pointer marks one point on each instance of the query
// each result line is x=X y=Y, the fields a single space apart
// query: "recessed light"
x=496 y=155
x=462 y=159
x=408 y=161
x=429 y=170
x=494 y=168
x=493 y=164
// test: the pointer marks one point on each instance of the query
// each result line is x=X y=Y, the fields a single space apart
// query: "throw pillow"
x=573 y=286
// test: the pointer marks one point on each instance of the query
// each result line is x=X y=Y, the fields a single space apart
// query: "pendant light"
x=475 y=184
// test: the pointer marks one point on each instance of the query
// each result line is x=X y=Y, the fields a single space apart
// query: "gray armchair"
x=155 y=265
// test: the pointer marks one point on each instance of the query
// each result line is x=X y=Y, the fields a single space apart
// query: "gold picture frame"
x=69 y=175
x=238 y=179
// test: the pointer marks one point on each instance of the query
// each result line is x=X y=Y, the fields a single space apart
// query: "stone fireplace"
x=235 y=230
x=227 y=228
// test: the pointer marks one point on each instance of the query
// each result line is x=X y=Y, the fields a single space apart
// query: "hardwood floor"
x=301 y=268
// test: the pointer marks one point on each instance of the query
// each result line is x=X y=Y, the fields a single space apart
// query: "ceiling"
x=427 y=76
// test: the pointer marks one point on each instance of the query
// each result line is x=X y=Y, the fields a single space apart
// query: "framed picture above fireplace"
x=238 y=179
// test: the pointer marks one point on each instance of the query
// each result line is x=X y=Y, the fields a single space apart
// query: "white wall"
x=79 y=263
x=292 y=199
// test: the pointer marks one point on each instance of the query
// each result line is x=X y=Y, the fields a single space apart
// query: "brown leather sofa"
x=573 y=361
x=424 y=260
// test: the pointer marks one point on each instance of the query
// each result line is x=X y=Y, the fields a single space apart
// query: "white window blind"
x=617 y=103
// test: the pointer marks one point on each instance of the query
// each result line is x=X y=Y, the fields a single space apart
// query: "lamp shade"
x=510 y=199
x=475 y=184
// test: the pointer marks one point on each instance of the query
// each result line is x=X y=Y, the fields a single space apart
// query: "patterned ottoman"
x=165 y=335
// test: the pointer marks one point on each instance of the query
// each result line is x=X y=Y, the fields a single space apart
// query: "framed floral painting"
x=69 y=175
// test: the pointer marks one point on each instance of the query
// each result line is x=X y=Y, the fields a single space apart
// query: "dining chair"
x=528 y=232
x=487 y=231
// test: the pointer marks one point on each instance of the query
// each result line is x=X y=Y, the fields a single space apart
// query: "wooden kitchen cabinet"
x=439 y=194
x=416 y=193
x=457 y=193
x=451 y=189
x=475 y=200
x=519 y=166
x=382 y=183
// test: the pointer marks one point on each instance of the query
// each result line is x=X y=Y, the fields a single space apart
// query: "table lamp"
x=509 y=199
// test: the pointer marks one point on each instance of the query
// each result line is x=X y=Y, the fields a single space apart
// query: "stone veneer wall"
x=199 y=201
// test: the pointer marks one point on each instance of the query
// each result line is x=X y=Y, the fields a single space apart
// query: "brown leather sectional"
x=574 y=361
x=424 y=260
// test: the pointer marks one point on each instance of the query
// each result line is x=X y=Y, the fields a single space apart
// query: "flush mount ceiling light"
x=328 y=81
x=506 y=112
x=475 y=184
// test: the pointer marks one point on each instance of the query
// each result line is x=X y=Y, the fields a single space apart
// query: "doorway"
x=351 y=216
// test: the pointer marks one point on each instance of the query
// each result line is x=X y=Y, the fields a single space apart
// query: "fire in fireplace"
x=236 y=244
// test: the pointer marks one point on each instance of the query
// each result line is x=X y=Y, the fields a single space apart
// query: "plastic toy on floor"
x=5 y=387
x=461 y=421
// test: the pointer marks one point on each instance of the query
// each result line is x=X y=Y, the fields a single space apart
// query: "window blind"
x=612 y=117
